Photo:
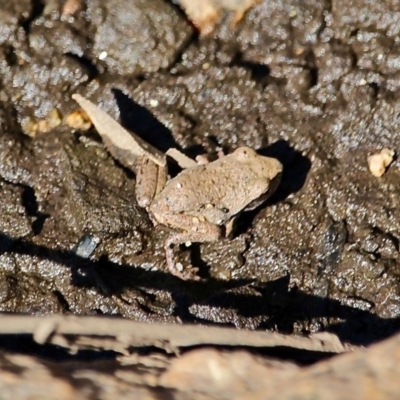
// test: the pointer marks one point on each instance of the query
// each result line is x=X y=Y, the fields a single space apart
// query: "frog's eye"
x=243 y=153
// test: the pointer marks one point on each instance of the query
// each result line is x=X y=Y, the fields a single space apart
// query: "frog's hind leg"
x=197 y=231
x=150 y=180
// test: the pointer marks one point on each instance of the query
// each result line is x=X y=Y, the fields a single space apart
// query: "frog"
x=202 y=202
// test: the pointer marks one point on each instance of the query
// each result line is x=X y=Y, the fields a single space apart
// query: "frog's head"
x=267 y=169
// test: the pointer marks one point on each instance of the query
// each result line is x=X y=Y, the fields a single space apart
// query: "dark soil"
x=314 y=83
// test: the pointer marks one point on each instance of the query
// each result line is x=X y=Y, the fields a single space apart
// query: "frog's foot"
x=201 y=232
x=202 y=159
x=187 y=273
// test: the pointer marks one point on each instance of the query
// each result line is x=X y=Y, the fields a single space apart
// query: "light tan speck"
x=377 y=163
x=71 y=7
x=78 y=120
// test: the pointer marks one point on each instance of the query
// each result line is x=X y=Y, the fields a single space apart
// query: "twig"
x=119 y=334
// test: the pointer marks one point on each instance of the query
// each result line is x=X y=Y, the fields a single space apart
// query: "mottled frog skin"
x=201 y=203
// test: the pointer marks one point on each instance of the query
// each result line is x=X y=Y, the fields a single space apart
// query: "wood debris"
x=202 y=373
x=205 y=14
x=78 y=333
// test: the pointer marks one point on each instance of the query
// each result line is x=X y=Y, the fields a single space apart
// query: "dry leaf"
x=123 y=145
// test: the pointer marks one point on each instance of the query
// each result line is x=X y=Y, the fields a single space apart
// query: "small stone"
x=103 y=55
x=54 y=118
x=377 y=163
x=154 y=103
x=78 y=120
x=30 y=127
x=43 y=126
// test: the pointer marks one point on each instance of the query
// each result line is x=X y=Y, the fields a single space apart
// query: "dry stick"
x=134 y=334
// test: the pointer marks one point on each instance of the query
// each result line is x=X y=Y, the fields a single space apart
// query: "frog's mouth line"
x=271 y=190
x=275 y=183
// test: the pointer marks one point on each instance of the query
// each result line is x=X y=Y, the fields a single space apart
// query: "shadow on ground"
x=274 y=299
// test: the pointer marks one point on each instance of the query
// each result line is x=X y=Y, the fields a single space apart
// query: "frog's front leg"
x=150 y=180
x=195 y=230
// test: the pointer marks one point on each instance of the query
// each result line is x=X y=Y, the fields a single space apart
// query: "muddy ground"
x=315 y=84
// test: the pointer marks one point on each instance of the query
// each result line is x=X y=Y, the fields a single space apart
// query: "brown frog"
x=201 y=203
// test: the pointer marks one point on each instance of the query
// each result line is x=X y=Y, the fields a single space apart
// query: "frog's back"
x=216 y=191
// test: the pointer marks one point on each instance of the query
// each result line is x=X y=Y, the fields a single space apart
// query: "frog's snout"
x=275 y=181
x=276 y=168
